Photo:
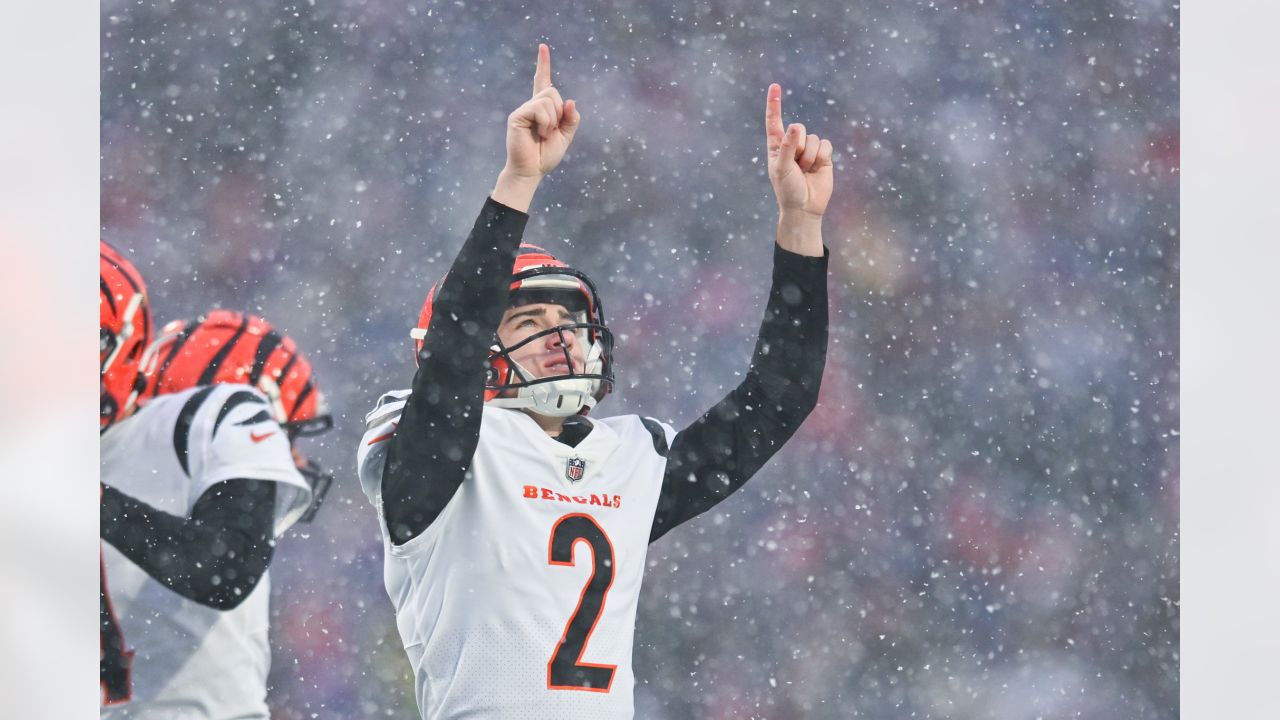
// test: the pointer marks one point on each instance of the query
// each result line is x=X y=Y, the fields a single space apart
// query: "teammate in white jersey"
x=516 y=527
x=195 y=486
x=225 y=346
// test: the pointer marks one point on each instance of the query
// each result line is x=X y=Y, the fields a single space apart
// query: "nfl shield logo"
x=576 y=468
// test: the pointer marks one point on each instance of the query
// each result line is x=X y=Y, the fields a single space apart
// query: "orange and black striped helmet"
x=225 y=346
x=124 y=333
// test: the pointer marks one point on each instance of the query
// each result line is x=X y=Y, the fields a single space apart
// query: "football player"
x=225 y=346
x=195 y=486
x=515 y=523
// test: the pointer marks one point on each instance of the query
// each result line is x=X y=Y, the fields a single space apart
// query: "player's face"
x=544 y=356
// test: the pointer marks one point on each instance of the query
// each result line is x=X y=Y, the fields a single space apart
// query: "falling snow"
x=979 y=521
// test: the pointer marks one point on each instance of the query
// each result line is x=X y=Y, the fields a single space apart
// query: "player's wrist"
x=526 y=173
x=800 y=232
x=797 y=219
x=515 y=190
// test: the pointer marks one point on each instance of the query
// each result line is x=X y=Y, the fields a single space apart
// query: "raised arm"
x=721 y=450
x=433 y=443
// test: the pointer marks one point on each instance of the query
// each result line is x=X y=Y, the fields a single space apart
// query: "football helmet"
x=225 y=346
x=538 y=277
x=124 y=333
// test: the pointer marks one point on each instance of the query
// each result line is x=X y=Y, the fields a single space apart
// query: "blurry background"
x=981 y=518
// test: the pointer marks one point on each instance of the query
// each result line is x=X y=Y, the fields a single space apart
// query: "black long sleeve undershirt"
x=721 y=450
x=214 y=557
x=439 y=429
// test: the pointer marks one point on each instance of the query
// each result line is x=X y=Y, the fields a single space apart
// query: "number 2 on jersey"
x=114 y=661
x=566 y=671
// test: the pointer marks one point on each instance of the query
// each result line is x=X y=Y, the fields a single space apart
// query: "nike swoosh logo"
x=259 y=438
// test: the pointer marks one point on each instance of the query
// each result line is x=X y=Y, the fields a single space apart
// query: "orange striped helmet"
x=124 y=333
x=225 y=346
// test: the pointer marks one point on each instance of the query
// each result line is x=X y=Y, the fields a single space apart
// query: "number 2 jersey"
x=514 y=559
x=184 y=659
x=520 y=600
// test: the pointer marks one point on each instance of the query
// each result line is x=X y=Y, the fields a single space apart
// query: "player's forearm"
x=781 y=386
x=791 y=350
x=470 y=301
x=215 y=557
x=725 y=447
x=440 y=426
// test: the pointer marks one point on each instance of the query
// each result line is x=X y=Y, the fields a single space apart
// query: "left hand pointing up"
x=799 y=163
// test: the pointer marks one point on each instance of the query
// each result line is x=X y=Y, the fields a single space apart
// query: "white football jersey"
x=189 y=660
x=519 y=601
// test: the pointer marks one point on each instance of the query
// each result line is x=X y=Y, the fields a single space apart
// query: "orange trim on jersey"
x=604 y=597
x=380 y=438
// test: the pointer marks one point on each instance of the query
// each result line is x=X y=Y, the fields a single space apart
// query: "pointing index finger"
x=773 y=116
x=542 y=76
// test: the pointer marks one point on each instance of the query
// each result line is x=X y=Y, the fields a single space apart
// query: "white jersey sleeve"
x=380 y=424
x=668 y=431
x=234 y=436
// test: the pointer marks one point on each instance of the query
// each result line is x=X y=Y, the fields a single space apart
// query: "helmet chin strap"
x=556 y=398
